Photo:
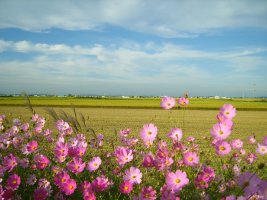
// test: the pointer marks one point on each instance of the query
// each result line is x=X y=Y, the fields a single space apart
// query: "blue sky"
x=134 y=47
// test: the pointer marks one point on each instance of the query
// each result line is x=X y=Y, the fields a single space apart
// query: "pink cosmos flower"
x=124 y=132
x=148 y=160
x=167 y=103
x=77 y=150
x=17 y=141
x=61 y=149
x=264 y=141
x=89 y=196
x=175 y=134
x=133 y=175
x=61 y=178
x=31 y=180
x=61 y=125
x=100 y=184
x=41 y=161
x=9 y=162
x=147 y=193
x=32 y=146
x=176 y=181
x=40 y=194
x=251 y=157
x=94 y=164
x=148 y=134
x=25 y=127
x=220 y=132
x=76 y=165
x=250 y=182
x=183 y=101
x=251 y=139
x=126 y=187
x=228 y=110
x=13 y=182
x=86 y=187
x=261 y=149
x=167 y=193
x=237 y=144
x=223 y=148
x=190 y=158
x=190 y=139
x=69 y=186
x=123 y=155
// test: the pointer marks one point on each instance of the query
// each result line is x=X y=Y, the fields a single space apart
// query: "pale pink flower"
x=190 y=158
x=175 y=134
x=148 y=133
x=94 y=164
x=176 y=181
x=228 y=110
x=220 y=132
x=261 y=149
x=133 y=175
x=251 y=139
x=183 y=101
x=167 y=103
x=237 y=144
x=123 y=155
x=223 y=148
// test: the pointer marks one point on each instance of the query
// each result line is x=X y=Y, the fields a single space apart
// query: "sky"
x=134 y=47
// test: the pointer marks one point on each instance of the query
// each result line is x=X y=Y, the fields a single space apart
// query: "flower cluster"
x=38 y=163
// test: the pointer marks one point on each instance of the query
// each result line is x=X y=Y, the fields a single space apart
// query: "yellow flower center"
x=222 y=148
x=177 y=180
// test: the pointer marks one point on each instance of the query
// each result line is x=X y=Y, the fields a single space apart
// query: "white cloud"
x=128 y=64
x=165 y=18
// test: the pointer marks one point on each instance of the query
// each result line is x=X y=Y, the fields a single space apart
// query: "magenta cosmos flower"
x=147 y=193
x=76 y=165
x=101 y=183
x=190 y=158
x=176 y=181
x=40 y=194
x=94 y=164
x=126 y=187
x=148 y=160
x=61 y=178
x=183 y=101
x=228 y=110
x=133 y=175
x=148 y=134
x=222 y=148
x=69 y=186
x=175 y=134
x=9 y=162
x=61 y=149
x=167 y=103
x=41 y=161
x=123 y=155
x=13 y=182
x=32 y=146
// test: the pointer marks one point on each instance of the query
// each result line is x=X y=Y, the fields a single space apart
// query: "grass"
x=152 y=103
x=196 y=122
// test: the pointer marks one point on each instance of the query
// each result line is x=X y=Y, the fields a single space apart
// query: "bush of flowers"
x=64 y=163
